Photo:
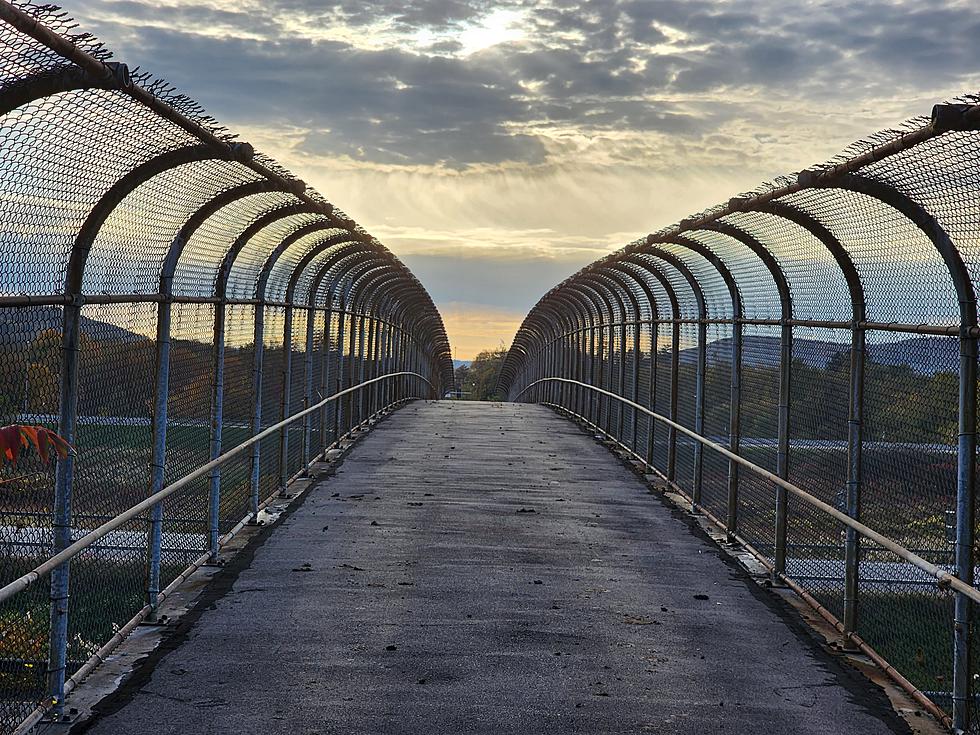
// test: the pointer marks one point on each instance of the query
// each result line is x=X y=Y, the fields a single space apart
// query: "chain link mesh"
x=856 y=380
x=106 y=206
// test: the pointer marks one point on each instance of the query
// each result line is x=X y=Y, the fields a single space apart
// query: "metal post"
x=600 y=359
x=160 y=405
x=367 y=368
x=308 y=388
x=284 y=407
x=61 y=520
x=325 y=378
x=567 y=400
x=734 y=425
x=610 y=377
x=621 y=412
x=635 y=394
x=965 y=520
x=338 y=404
x=675 y=352
x=782 y=451
x=578 y=367
x=357 y=397
x=595 y=373
x=374 y=368
x=217 y=420
x=855 y=419
x=652 y=389
x=699 y=410
x=384 y=347
x=257 y=355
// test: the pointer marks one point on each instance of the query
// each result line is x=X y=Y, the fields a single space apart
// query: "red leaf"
x=62 y=447
x=41 y=442
x=10 y=442
x=15 y=436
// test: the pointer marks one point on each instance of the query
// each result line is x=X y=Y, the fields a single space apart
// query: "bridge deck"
x=478 y=568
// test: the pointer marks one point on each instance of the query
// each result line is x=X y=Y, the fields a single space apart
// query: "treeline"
x=900 y=404
x=116 y=377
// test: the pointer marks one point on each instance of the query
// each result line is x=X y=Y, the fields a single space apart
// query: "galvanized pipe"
x=257 y=359
x=72 y=550
x=943 y=578
x=217 y=423
x=855 y=430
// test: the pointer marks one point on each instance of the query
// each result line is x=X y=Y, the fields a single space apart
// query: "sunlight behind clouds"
x=499 y=26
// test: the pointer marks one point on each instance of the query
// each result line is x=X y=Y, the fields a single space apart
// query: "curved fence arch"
x=823 y=327
x=166 y=292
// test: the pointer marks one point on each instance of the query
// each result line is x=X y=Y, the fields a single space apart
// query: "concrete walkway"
x=487 y=568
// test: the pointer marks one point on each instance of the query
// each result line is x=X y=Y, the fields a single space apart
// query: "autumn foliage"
x=15 y=437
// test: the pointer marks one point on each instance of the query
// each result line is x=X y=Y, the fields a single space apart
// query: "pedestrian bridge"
x=490 y=568
x=732 y=487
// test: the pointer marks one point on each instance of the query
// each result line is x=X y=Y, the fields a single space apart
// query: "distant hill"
x=924 y=355
x=21 y=326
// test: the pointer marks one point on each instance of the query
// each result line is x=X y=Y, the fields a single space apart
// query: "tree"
x=478 y=380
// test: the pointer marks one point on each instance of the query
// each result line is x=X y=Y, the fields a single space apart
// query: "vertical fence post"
x=855 y=420
x=635 y=396
x=341 y=359
x=652 y=388
x=158 y=461
x=675 y=353
x=579 y=392
x=621 y=412
x=782 y=448
x=364 y=395
x=352 y=334
x=308 y=388
x=699 y=409
x=357 y=398
x=376 y=351
x=965 y=532
x=385 y=389
x=734 y=426
x=610 y=357
x=325 y=386
x=571 y=395
x=599 y=377
x=257 y=355
x=591 y=397
x=217 y=421
x=284 y=403
x=61 y=520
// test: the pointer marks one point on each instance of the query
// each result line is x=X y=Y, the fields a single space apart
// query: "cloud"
x=463 y=83
x=499 y=146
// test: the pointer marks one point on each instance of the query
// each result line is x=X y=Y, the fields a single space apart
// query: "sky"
x=497 y=147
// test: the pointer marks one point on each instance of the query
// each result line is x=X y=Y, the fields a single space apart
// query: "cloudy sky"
x=497 y=147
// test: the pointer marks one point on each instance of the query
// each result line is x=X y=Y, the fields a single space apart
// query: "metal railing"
x=822 y=329
x=146 y=506
x=166 y=292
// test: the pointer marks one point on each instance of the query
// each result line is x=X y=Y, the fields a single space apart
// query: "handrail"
x=26 y=580
x=945 y=580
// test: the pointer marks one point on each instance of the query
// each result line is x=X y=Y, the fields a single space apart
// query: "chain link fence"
x=824 y=328
x=166 y=293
